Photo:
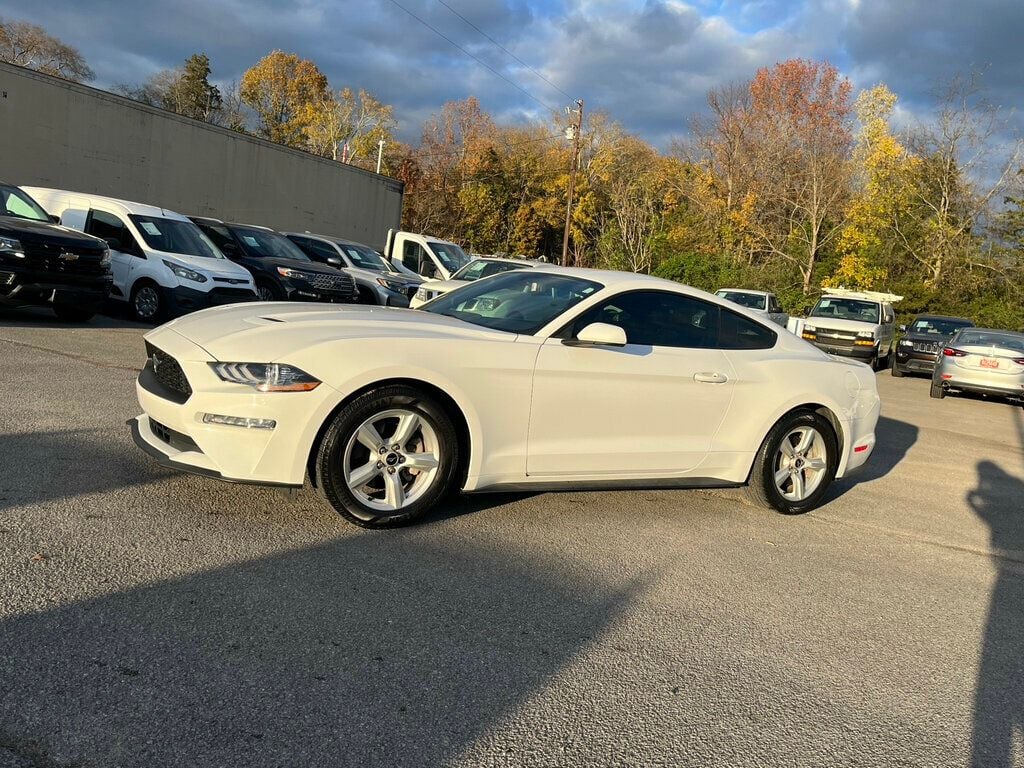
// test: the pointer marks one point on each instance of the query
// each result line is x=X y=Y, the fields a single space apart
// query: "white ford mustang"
x=531 y=379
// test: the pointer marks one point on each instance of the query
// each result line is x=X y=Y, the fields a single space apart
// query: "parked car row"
x=73 y=251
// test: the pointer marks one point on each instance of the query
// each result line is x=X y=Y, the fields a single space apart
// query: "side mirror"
x=335 y=261
x=114 y=244
x=903 y=329
x=55 y=219
x=427 y=269
x=598 y=334
x=229 y=249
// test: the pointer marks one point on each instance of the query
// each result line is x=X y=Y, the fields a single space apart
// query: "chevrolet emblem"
x=68 y=256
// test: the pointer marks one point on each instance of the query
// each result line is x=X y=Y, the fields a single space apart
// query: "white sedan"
x=532 y=379
x=485 y=266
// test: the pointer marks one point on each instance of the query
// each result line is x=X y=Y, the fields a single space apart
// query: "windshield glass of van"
x=748 y=300
x=14 y=202
x=261 y=243
x=450 y=255
x=364 y=258
x=846 y=309
x=175 y=236
x=521 y=301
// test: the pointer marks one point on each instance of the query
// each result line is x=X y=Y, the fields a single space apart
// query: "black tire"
x=937 y=391
x=761 y=488
x=146 y=303
x=331 y=455
x=267 y=291
x=896 y=372
x=69 y=313
x=365 y=296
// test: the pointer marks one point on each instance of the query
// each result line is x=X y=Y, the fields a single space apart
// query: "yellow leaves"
x=283 y=90
x=856 y=272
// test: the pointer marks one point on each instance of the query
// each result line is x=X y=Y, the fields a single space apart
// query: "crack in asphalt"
x=73 y=356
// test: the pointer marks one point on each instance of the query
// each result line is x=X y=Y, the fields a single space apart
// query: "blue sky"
x=648 y=63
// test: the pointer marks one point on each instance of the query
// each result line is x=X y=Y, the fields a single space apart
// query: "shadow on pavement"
x=998 y=499
x=389 y=649
x=893 y=440
x=30 y=316
x=68 y=463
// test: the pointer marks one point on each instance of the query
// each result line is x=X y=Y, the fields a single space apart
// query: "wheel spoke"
x=421 y=461
x=806 y=441
x=359 y=477
x=370 y=437
x=781 y=477
x=408 y=423
x=815 y=464
x=394 y=491
x=798 y=485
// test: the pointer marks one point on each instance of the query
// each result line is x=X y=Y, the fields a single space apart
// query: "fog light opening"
x=245 y=422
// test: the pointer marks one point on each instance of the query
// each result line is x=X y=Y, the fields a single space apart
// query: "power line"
x=474 y=57
x=506 y=50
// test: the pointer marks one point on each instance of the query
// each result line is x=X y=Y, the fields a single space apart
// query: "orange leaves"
x=283 y=90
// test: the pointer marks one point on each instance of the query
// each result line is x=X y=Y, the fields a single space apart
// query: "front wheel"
x=795 y=465
x=147 y=303
x=896 y=372
x=388 y=457
x=937 y=391
x=268 y=291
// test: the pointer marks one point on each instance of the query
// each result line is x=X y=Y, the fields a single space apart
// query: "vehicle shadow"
x=396 y=648
x=65 y=464
x=894 y=439
x=998 y=499
x=32 y=316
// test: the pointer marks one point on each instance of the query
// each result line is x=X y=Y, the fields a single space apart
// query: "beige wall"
x=59 y=134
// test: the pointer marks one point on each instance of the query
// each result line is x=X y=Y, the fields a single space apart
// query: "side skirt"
x=646 y=484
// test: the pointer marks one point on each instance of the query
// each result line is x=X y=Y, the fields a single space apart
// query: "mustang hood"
x=269 y=331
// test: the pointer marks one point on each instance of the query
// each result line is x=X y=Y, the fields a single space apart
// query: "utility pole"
x=380 y=153
x=574 y=132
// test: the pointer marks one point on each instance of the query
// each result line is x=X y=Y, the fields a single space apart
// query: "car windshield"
x=939 y=326
x=846 y=309
x=14 y=202
x=517 y=301
x=364 y=258
x=450 y=255
x=483 y=268
x=744 y=299
x=175 y=236
x=262 y=243
x=1005 y=340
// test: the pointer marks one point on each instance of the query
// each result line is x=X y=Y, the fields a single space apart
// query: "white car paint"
x=539 y=413
x=146 y=262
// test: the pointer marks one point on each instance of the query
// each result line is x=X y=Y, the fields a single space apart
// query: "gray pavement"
x=154 y=619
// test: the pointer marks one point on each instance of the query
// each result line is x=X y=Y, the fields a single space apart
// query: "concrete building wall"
x=68 y=136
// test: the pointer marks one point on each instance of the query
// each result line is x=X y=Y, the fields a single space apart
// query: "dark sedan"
x=922 y=343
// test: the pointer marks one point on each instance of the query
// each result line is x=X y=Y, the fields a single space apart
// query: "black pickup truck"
x=43 y=263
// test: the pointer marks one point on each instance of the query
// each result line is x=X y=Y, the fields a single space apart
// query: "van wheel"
x=795 y=465
x=147 y=302
x=72 y=314
x=388 y=457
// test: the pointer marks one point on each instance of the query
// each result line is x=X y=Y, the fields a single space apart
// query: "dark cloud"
x=646 y=62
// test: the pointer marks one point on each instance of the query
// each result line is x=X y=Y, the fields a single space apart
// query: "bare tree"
x=29 y=45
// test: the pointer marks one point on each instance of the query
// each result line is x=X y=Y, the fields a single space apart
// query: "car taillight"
x=1019 y=360
x=951 y=352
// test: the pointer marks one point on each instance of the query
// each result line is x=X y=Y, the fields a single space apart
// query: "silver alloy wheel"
x=147 y=302
x=391 y=460
x=801 y=463
x=264 y=293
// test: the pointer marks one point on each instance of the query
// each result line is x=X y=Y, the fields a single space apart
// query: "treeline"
x=789 y=182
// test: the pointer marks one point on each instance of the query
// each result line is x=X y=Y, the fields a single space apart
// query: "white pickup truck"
x=424 y=255
x=858 y=324
x=762 y=302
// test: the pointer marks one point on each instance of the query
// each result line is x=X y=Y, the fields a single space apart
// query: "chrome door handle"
x=710 y=378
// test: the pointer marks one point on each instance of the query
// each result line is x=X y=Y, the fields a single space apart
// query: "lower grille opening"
x=177 y=440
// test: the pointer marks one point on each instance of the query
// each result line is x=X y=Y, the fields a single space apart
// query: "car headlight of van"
x=266 y=377
x=184 y=272
x=11 y=246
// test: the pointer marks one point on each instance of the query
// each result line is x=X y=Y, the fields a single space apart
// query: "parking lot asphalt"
x=149 y=618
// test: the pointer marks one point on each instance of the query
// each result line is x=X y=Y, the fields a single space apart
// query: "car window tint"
x=411 y=256
x=738 y=332
x=107 y=226
x=321 y=251
x=657 y=319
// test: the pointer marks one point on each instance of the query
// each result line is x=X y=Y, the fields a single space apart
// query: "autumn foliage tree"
x=284 y=91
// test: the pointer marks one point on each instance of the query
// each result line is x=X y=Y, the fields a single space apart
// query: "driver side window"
x=656 y=318
x=411 y=254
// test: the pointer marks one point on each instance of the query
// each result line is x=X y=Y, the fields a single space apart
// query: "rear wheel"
x=795 y=465
x=937 y=391
x=388 y=457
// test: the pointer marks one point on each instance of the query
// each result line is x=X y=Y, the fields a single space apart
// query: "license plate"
x=988 y=362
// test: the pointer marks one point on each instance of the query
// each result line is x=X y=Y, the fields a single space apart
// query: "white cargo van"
x=429 y=257
x=163 y=265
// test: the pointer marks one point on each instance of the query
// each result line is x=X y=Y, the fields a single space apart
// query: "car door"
x=125 y=254
x=646 y=409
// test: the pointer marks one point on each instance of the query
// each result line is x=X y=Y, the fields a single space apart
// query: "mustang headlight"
x=184 y=272
x=266 y=377
x=11 y=246
x=391 y=285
